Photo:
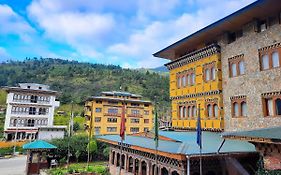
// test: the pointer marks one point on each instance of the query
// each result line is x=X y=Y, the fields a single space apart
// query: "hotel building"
x=229 y=67
x=29 y=107
x=105 y=113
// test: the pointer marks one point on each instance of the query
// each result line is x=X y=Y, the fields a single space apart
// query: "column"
x=169 y=171
x=140 y=168
x=148 y=168
x=125 y=163
x=110 y=157
x=134 y=166
x=159 y=170
x=115 y=159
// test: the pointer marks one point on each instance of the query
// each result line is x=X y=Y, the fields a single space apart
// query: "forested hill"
x=77 y=81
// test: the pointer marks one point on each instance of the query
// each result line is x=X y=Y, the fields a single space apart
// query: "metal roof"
x=273 y=133
x=117 y=99
x=39 y=144
x=186 y=143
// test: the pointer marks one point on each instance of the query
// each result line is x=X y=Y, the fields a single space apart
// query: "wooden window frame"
x=236 y=60
x=239 y=101
x=269 y=53
x=212 y=104
x=209 y=66
x=265 y=107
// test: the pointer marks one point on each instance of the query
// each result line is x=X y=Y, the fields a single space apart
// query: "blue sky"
x=121 y=32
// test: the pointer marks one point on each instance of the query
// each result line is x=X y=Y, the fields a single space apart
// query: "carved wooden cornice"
x=236 y=57
x=196 y=95
x=238 y=97
x=194 y=56
x=273 y=46
x=271 y=94
x=187 y=102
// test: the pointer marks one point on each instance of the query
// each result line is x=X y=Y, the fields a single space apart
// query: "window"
x=97 y=119
x=265 y=62
x=40 y=87
x=212 y=109
x=112 y=120
x=239 y=106
x=112 y=110
x=98 y=102
x=188 y=80
x=145 y=129
x=135 y=104
x=111 y=129
x=134 y=129
x=146 y=105
x=194 y=111
x=209 y=72
x=236 y=66
x=270 y=57
x=113 y=102
x=33 y=99
x=98 y=109
x=181 y=112
x=178 y=81
x=183 y=81
x=184 y=112
x=32 y=110
x=275 y=59
x=272 y=106
x=146 y=112
x=146 y=120
x=135 y=120
x=134 y=111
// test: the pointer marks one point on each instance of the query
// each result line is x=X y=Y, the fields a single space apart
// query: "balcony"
x=29 y=113
x=112 y=114
x=135 y=115
x=32 y=101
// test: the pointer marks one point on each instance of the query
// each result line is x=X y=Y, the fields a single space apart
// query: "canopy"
x=39 y=144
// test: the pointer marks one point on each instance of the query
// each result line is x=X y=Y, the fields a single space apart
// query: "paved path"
x=13 y=166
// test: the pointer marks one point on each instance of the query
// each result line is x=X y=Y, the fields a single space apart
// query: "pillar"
x=134 y=166
x=115 y=159
x=125 y=163
x=110 y=157
x=140 y=167
x=148 y=168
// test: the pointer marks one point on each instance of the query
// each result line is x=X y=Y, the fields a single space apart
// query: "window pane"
x=189 y=111
x=241 y=68
x=216 y=110
x=181 y=111
x=179 y=82
x=269 y=107
x=188 y=79
x=213 y=71
x=233 y=70
x=265 y=62
x=207 y=74
x=194 y=111
x=184 y=112
x=244 y=109
x=275 y=59
x=278 y=106
x=210 y=112
x=236 y=109
x=183 y=81
x=193 y=78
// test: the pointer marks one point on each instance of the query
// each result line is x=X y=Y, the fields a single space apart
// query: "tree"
x=93 y=147
x=76 y=126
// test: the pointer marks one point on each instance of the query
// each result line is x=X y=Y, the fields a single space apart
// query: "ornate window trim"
x=239 y=100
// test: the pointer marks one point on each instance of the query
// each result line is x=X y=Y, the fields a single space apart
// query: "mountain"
x=77 y=81
x=160 y=69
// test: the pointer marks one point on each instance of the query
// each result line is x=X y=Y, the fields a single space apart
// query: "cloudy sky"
x=122 y=32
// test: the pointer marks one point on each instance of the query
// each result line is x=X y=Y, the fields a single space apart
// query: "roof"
x=256 y=135
x=39 y=144
x=117 y=99
x=121 y=93
x=186 y=143
x=232 y=22
x=52 y=127
x=8 y=89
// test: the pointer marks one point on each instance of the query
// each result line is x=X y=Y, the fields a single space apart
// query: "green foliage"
x=76 y=126
x=3 y=96
x=77 y=81
x=92 y=146
x=10 y=150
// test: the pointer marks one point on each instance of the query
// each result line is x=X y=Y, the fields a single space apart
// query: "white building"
x=29 y=107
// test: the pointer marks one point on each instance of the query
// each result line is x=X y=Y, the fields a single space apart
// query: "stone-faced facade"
x=250 y=65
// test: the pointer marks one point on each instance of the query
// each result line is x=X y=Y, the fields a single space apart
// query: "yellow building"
x=195 y=80
x=105 y=113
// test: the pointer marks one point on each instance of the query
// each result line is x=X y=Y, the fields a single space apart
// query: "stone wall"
x=254 y=82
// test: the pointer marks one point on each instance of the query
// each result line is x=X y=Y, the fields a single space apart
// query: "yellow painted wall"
x=103 y=124
x=199 y=87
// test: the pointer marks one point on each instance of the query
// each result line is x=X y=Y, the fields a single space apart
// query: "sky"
x=120 y=32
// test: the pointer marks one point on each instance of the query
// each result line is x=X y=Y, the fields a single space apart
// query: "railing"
x=32 y=101
x=134 y=115
x=112 y=114
x=29 y=113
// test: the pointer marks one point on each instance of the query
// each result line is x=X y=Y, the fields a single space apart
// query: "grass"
x=97 y=167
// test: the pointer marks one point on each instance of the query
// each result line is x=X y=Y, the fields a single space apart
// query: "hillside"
x=76 y=81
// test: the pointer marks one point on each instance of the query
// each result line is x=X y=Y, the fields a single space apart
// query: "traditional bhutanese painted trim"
x=187 y=102
x=236 y=57
x=274 y=46
x=210 y=63
x=186 y=71
x=271 y=94
x=211 y=100
x=194 y=56
x=238 y=97
x=196 y=95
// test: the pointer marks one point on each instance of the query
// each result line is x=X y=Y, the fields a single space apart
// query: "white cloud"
x=12 y=23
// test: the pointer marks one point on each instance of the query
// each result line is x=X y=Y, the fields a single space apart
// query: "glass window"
x=188 y=80
x=236 y=109
x=233 y=70
x=189 y=111
x=244 y=109
x=275 y=59
x=181 y=111
x=179 y=82
x=98 y=109
x=265 y=62
x=207 y=74
x=216 y=110
x=278 y=106
x=269 y=103
x=241 y=68
x=184 y=112
x=194 y=111
x=193 y=78
x=213 y=71
x=210 y=112
x=183 y=81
